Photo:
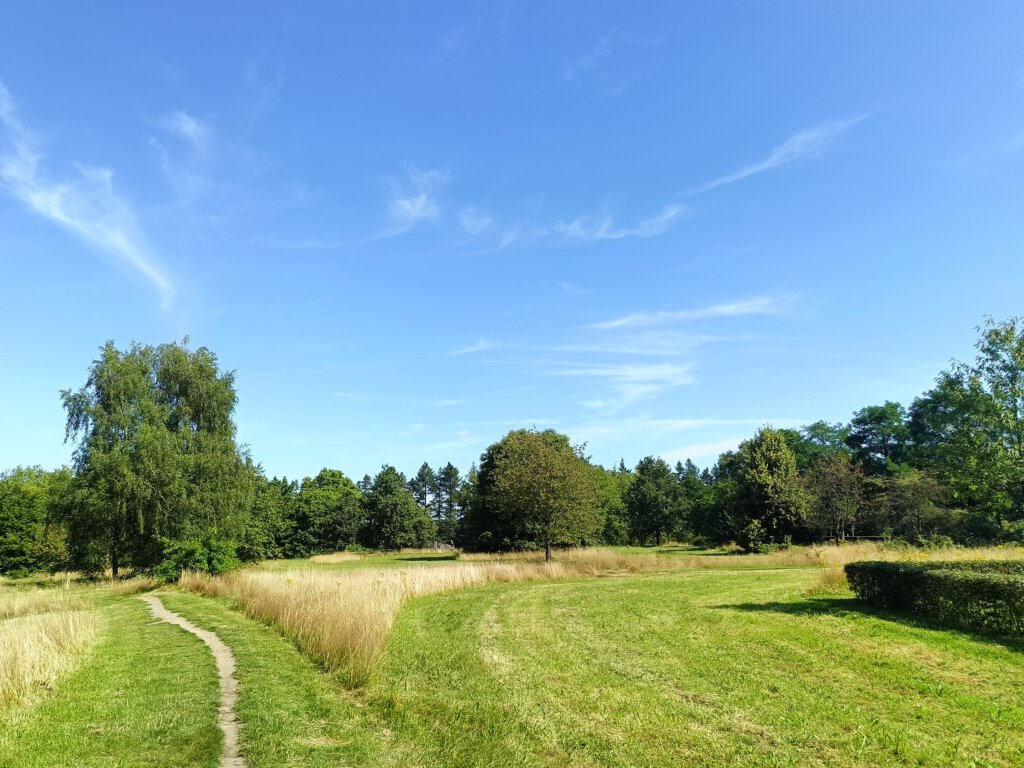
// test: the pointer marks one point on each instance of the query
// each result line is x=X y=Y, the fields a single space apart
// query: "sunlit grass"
x=341 y=612
x=343 y=619
x=43 y=633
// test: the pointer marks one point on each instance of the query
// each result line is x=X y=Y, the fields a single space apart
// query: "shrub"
x=208 y=556
x=981 y=595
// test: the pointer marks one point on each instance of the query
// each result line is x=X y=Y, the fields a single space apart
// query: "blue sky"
x=411 y=227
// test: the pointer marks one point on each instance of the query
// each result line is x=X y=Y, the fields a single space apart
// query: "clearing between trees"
x=697 y=659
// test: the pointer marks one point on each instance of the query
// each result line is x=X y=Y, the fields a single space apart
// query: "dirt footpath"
x=229 y=757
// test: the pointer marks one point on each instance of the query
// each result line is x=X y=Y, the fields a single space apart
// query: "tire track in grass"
x=225 y=659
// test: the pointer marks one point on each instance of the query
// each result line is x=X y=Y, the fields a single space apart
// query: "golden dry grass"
x=335 y=557
x=133 y=586
x=36 y=648
x=830 y=581
x=23 y=602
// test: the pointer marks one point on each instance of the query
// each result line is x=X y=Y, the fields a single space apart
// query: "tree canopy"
x=156 y=458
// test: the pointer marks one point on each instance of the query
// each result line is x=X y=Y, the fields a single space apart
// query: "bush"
x=984 y=595
x=209 y=556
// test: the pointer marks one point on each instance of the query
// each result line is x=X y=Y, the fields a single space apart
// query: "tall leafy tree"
x=969 y=429
x=536 y=487
x=768 y=492
x=695 y=497
x=30 y=539
x=393 y=519
x=879 y=436
x=612 y=486
x=653 y=500
x=836 y=486
x=156 y=457
x=266 y=536
x=326 y=515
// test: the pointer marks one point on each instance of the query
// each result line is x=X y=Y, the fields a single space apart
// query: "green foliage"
x=836 y=487
x=879 y=436
x=769 y=505
x=393 y=519
x=30 y=539
x=612 y=486
x=266 y=534
x=423 y=486
x=986 y=595
x=156 y=457
x=446 y=502
x=533 y=488
x=325 y=516
x=653 y=501
x=211 y=556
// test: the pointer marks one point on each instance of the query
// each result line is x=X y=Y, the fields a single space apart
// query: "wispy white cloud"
x=184 y=160
x=414 y=201
x=85 y=205
x=632 y=382
x=604 y=227
x=764 y=305
x=570 y=288
x=475 y=221
x=187 y=128
x=460 y=439
x=607 y=45
x=477 y=346
x=806 y=143
x=648 y=343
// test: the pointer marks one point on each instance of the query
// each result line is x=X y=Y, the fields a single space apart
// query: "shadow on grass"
x=432 y=558
x=851 y=606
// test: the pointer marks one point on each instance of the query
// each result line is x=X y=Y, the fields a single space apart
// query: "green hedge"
x=986 y=595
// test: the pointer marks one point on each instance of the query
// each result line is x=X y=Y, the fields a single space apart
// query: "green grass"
x=695 y=668
x=698 y=669
x=292 y=713
x=146 y=695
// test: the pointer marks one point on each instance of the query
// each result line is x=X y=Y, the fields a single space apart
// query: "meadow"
x=606 y=657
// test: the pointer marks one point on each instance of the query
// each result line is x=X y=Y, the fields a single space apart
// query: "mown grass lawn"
x=145 y=696
x=695 y=668
x=702 y=668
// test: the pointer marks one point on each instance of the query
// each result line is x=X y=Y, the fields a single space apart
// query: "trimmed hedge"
x=984 y=595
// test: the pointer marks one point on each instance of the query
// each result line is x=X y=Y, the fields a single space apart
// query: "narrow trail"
x=229 y=757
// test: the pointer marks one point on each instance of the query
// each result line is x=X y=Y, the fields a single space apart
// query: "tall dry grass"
x=36 y=648
x=133 y=586
x=15 y=603
x=336 y=557
x=343 y=619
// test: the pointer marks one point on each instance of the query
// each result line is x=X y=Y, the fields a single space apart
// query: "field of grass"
x=145 y=695
x=503 y=662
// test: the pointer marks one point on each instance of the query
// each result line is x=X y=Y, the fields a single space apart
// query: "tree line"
x=158 y=480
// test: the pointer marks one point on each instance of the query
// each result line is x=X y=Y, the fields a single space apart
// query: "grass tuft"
x=35 y=649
